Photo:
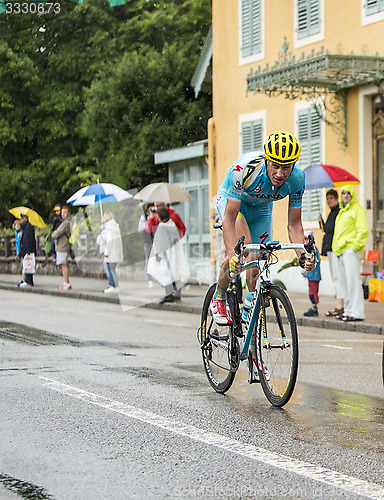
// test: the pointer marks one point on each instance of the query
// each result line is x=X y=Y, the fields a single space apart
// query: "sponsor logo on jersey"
x=238 y=168
x=275 y=196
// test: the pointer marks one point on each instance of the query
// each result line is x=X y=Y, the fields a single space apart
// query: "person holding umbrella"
x=168 y=263
x=153 y=222
x=27 y=246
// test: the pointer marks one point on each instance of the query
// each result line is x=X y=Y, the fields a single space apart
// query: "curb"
x=184 y=308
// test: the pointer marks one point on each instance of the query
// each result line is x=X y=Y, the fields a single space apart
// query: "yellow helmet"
x=282 y=148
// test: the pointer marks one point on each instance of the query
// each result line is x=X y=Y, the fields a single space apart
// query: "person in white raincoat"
x=113 y=250
x=168 y=262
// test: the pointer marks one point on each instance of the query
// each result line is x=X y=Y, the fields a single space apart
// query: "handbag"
x=29 y=264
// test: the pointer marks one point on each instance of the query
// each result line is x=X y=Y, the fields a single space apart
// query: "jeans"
x=110 y=271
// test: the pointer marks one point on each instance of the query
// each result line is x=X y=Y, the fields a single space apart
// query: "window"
x=252 y=136
x=251 y=27
x=373 y=7
x=308 y=18
x=308 y=22
x=310 y=138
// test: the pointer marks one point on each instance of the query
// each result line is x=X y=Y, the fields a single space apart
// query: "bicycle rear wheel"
x=216 y=347
x=277 y=346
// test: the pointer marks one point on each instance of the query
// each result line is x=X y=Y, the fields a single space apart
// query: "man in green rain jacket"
x=350 y=236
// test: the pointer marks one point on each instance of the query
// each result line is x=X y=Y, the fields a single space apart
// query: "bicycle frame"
x=263 y=269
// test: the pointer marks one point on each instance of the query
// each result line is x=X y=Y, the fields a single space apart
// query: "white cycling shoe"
x=219 y=312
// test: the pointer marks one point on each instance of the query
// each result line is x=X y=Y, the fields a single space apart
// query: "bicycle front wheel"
x=277 y=346
x=216 y=348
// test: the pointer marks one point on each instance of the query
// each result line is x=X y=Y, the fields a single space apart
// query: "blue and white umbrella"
x=99 y=193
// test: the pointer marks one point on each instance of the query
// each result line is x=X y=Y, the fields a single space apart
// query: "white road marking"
x=363 y=341
x=291 y=465
x=337 y=347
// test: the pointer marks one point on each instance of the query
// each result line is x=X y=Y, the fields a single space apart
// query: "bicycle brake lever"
x=310 y=246
x=239 y=249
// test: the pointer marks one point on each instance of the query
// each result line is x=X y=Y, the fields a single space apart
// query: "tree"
x=95 y=91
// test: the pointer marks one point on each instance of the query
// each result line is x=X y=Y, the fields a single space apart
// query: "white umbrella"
x=163 y=192
x=97 y=194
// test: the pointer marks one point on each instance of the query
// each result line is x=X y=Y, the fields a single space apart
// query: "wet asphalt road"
x=99 y=403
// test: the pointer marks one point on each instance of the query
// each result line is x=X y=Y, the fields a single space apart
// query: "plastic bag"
x=29 y=265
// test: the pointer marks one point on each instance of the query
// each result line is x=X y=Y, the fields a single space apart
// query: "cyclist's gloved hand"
x=306 y=261
x=234 y=264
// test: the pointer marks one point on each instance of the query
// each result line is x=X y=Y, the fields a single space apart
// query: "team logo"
x=257 y=189
x=263 y=237
x=237 y=184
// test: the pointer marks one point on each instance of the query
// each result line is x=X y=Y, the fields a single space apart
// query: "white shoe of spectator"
x=111 y=289
x=24 y=284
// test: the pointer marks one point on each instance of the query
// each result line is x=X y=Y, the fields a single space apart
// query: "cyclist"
x=244 y=202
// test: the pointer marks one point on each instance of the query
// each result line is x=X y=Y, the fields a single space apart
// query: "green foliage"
x=94 y=92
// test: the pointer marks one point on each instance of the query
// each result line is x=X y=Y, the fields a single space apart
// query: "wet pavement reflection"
x=318 y=414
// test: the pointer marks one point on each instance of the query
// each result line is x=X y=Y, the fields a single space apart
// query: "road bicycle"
x=267 y=339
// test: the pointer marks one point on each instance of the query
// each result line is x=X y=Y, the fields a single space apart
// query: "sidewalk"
x=137 y=294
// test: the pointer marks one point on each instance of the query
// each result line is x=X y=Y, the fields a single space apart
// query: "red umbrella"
x=320 y=176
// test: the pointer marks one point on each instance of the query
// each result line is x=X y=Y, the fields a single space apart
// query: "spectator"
x=153 y=219
x=168 y=262
x=326 y=249
x=148 y=237
x=16 y=226
x=314 y=278
x=55 y=224
x=349 y=238
x=27 y=246
x=153 y=222
x=49 y=242
x=113 y=250
x=63 y=246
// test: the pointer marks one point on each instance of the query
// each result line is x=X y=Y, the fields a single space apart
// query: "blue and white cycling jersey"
x=247 y=180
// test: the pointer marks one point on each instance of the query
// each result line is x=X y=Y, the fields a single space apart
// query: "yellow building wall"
x=343 y=33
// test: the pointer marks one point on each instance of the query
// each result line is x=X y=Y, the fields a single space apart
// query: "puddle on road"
x=320 y=414
x=23 y=489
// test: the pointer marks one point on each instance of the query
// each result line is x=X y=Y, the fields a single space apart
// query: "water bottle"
x=247 y=306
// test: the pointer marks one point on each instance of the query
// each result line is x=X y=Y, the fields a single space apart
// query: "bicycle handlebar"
x=271 y=246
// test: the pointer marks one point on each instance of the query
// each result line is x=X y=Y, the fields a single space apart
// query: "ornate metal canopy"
x=316 y=75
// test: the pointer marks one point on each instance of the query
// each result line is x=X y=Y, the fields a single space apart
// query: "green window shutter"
x=251 y=136
x=308 y=18
x=310 y=140
x=251 y=27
